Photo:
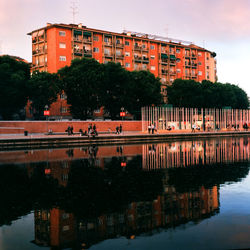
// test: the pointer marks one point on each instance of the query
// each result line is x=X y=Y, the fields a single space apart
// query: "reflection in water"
x=202 y=152
x=99 y=193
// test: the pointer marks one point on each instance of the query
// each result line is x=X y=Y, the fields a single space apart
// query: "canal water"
x=174 y=195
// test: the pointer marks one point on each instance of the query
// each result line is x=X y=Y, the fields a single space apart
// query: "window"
x=178 y=51
x=106 y=51
x=144 y=66
x=96 y=50
x=136 y=66
x=152 y=56
x=127 y=53
x=96 y=38
x=200 y=73
x=127 y=43
x=106 y=39
x=62 y=58
x=64 y=110
x=127 y=65
x=199 y=63
x=65 y=228
x=199 y=53
x=62 y=45
x=178 y=70
x=97 y=111
x=118 y=41
x=118 y=52
x=62 y=33
x=152 y=67
x=144 y=46
x=152 y=47
x=63 y=96
x=207 y=67
x=178 y=60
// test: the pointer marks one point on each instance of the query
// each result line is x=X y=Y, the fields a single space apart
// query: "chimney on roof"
x=80 y=25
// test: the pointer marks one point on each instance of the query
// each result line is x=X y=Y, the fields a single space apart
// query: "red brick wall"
x=18 y=127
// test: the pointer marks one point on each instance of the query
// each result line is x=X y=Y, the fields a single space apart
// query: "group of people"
x=152 y=128
x=92 y=130
x=69 y=130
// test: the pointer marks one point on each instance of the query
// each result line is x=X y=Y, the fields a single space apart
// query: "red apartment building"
x=55 y=45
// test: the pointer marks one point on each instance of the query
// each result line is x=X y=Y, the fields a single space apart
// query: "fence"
x=169 y=118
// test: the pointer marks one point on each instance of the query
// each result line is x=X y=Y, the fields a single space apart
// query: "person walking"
x=149 y=128
x=120 y=128
x=117 y=130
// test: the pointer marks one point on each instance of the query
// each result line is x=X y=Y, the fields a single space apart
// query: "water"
x=173 y=195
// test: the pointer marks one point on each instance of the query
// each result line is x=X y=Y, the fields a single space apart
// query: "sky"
x=221 y=26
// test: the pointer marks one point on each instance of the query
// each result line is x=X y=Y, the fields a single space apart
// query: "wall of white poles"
x=169 y=118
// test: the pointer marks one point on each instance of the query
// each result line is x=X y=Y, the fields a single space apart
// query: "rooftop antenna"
x=74 y=10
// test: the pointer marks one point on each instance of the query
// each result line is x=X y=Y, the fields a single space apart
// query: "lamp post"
x=46 y=113
x=122 y=113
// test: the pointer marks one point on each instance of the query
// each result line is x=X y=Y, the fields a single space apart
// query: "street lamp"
x=122 y=113
x=46 y=113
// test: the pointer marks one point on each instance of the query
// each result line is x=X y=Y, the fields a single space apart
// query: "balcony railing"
x=78 y=52
x=136 y=47
x=119 y=45
x=107 y=43
x=87 y=40
x=77 y=39
x=119 y=56
x=164 y=72
x=108 y=55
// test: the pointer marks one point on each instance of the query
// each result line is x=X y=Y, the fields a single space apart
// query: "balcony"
x=87 y=40
x=187 y=55
x=78 y=52
x=164 y=61
x=108 y=44
x=39 y=51
x=172 y=72
x=193 y=55
x=164 y=72
x=145 y=59
x=144 y=48
x=120 y=56
x=136 y=47
x=108 y=55
x=77 y=39
x=119 y=45
x=137 y=59
x=87 y=53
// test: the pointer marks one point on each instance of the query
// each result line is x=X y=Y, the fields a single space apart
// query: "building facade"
x=56 y=45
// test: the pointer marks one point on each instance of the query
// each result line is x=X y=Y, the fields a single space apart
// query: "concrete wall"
x=18 y=127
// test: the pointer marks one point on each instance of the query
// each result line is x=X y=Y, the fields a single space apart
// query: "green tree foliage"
x=114 y=88
x=90 y=85
x=43 y=90
x=144 y=89
x=14 y=75
x=188 y=93
x=81 y=81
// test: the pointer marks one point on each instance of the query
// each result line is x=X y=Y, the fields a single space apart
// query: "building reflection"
x=191 y=153
x=174 y=206
x=171 y=208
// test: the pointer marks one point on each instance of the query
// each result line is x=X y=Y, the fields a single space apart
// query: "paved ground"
x=125 y=133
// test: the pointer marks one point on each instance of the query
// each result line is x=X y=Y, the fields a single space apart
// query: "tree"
x=81 y=81
x=188 y=93
x=114 y=88
x=14 y=75
x=144 y=89
x=43 y=90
